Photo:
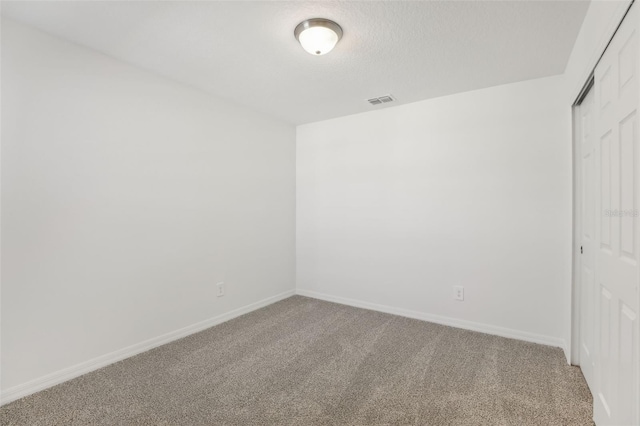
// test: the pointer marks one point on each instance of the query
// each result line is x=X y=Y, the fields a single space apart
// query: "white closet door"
x=616 y=396
x=587 y=146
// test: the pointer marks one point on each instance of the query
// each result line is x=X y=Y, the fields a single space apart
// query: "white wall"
x=396 y=206
x=125 y=198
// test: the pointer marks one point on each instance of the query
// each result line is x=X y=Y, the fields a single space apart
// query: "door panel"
x=616 y=272
x=628 y=134
x=587 y=236
x=605 y=191
x=605 y=364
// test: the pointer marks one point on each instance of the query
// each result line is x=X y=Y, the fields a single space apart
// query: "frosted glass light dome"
x=318 y=36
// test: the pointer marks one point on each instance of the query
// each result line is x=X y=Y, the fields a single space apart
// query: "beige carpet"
x=307 y=362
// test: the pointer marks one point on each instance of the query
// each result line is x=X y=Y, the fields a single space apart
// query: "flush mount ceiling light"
x=318 y=35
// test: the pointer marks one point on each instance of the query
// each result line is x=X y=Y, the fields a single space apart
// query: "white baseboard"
x=438 y=319
x=69 y=373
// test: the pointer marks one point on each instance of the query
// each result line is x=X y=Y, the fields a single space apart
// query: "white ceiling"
x=245 y=51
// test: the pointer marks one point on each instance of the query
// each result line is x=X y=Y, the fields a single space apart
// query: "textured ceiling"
x=245 y=52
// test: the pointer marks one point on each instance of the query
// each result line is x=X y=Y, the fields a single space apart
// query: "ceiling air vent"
x=381 y=100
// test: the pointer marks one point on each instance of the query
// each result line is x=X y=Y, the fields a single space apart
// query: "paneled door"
x=616 y=391
x=587 y=146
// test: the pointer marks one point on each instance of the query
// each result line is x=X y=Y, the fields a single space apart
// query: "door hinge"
x=580 y=249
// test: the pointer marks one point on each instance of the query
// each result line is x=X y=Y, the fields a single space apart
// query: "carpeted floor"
x=308 y=362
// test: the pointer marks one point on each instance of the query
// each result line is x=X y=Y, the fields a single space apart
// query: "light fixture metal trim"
x=318 y=23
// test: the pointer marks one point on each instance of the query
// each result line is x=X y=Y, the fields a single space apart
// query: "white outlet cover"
x=458 y=292
x=220 y=289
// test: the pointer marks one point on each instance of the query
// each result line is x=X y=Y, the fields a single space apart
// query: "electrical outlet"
x=220 y=289
x=458 y=292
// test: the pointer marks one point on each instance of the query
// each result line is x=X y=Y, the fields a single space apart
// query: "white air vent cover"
x=381 y=100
